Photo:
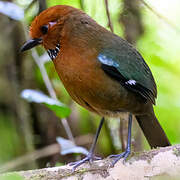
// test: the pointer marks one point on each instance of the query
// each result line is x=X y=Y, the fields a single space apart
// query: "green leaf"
x=11 y=176
x=60 y=109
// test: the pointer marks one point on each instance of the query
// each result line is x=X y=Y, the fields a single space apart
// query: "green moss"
x=176 y=152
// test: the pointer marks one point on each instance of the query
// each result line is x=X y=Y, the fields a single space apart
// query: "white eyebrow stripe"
x=52 y=23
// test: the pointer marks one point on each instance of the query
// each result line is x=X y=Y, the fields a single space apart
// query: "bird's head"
x=47 y=29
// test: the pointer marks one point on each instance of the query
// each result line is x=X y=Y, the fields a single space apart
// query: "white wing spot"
x=131 y=82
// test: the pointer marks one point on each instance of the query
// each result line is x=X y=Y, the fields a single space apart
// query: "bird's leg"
x=90 y=157
x=127 y=151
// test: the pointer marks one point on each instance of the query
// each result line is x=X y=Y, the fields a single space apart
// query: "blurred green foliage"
x=160 y=47
x=11 y=176
x=9 y=145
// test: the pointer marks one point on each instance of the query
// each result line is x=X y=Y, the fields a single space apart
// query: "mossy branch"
x=161 y=163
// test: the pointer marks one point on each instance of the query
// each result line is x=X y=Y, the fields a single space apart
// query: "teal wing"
x=124 y=64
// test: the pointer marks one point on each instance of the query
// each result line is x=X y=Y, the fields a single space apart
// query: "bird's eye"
x=44 y=29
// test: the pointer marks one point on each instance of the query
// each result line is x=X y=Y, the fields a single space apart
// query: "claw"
x=119 y=156
x=97 y=158
x=90 y=158
x=127 y=152
x=113 y=155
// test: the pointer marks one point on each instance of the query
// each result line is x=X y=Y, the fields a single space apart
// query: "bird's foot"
x=90 y=158
x=117 y=157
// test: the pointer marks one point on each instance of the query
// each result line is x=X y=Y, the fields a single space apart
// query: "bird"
x=101 y=72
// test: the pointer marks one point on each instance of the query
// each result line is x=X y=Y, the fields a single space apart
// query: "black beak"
x=30 y=44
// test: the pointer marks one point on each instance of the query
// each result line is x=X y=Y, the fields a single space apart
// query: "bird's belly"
x=90 y=87
x=96 y=98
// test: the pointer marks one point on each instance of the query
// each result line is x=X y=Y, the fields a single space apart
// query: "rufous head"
x=47 y=28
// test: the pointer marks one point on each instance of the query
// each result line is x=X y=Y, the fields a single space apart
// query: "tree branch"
x=108 y=16
x=161 y=162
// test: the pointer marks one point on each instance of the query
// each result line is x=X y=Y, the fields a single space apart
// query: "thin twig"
x=51 y=91
x=30 y=5
x=160 y=16
x=68 y=130
x=41 y=153
x=27 y=158
x=44 y=74
x=49 y=87
x=108 y=16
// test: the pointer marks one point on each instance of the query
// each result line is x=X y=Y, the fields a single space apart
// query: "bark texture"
x=157 y=164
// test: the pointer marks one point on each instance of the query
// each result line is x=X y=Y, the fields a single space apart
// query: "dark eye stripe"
x=44 y=29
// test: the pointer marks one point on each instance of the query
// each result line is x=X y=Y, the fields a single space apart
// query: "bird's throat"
x=53 y=53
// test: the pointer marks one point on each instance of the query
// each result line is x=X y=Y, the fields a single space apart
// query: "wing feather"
x=129 y=68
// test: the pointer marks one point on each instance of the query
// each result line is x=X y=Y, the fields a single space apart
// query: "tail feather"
x=152 y=130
